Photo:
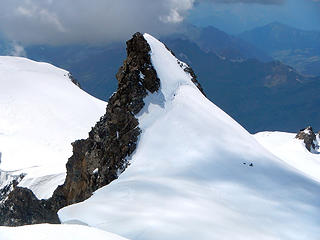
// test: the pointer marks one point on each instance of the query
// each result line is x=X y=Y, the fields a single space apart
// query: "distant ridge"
x=297 y=48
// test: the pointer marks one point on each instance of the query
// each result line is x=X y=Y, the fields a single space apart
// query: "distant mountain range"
x=297 y=48
x=260 y=95
x=95 y=67
x=211 y=39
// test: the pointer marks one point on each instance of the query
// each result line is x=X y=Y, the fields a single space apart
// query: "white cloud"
x=173 y=17
x=18 y=51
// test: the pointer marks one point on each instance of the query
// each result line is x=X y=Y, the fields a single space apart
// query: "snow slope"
x=41 y=113
x=54 y=232
x=190 y=177
x=292 y=151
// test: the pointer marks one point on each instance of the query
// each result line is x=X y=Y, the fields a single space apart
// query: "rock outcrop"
x=308 y=137
x=99 y=159
x=22 y=207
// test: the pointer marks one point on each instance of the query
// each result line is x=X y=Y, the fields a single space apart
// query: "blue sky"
x=238 y=17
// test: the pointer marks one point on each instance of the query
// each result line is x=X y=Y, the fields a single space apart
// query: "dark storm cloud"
x=94 y=21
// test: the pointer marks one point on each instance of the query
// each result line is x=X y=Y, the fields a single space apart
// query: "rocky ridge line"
x=99 y=159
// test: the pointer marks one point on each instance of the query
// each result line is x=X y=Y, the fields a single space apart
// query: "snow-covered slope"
x=292 y=151
x=197 y=174
x=54 y=232
x=41 y=113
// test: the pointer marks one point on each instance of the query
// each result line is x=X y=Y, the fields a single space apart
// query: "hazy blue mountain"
x=261 y=96
x=211 y=39
x=295 y=47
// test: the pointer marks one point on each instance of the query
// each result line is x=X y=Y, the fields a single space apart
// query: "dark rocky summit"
x=99 y=159
x=308 y=137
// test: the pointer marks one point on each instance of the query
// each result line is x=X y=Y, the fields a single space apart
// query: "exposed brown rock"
x=22 y=207
x=114 y=137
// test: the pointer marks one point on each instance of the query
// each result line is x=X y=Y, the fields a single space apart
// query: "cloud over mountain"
x=95 y=21
x=51 y=21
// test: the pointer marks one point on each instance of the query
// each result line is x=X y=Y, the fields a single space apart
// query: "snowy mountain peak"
x=176 y=166
x=99 y=159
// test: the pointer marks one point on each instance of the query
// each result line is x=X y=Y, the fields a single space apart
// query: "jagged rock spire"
x=114 y=137
x=99 y=159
